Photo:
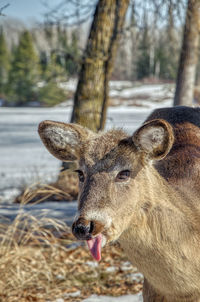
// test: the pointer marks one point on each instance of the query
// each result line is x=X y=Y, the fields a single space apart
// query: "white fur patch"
x=61 y=137
x=152 y=137
x=103 y=243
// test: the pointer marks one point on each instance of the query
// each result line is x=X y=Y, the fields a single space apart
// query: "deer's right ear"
x=155 y=138
x=63 y=140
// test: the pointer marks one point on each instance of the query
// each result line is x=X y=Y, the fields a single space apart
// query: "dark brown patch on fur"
x=177 y=115
x=182 y=162
x=97 y=227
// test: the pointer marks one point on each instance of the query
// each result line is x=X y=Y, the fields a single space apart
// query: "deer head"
x=110 y=169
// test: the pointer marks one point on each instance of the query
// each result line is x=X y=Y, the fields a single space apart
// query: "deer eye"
x=123 y=175
x=80 y=175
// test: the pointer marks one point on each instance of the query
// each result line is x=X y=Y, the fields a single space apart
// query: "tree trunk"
x=91 y=97
x=90 y=101
x=189 y=55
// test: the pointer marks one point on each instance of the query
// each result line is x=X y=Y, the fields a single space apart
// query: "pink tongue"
x=94 y=246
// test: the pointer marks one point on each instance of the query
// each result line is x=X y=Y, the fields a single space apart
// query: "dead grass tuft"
x=64 y=189
x=41 y=192
x=29 y=252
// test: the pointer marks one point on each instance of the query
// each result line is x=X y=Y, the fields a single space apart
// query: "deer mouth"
x=95 y=244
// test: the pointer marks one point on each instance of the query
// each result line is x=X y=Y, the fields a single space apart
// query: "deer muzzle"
x=91 y=232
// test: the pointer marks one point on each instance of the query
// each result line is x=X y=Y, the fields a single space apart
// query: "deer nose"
x=82 y=229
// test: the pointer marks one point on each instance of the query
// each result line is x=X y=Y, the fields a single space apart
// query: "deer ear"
x=155 y=138
x=63 y=140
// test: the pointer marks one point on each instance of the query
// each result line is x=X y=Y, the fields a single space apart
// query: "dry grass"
x=64 y=189
x=28 y=250
x=39 y=261
x=38 y=193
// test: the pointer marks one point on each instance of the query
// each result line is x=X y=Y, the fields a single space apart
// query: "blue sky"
x=26 y=9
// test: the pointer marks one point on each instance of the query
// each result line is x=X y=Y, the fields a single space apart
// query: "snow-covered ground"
x=146 y=96
x=126 y=298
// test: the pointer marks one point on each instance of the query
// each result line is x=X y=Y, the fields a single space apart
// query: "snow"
x=125 y=298
x=144 y=90
x=59 y=300
x=71 y=84
x=120 y=85
x=61 y=211
x=74 y=294
x=137 y=277
x=128 y=89
x=92 y=263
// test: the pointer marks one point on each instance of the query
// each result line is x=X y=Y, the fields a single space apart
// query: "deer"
x=141 y=190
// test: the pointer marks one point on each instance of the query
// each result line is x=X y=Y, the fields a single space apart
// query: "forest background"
x=37 y=59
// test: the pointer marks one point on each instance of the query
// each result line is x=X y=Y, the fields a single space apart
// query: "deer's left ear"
x=155 y=138
x=63 y=140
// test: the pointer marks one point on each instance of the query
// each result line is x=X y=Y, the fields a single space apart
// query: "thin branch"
x=2 y=8
x=61 y=12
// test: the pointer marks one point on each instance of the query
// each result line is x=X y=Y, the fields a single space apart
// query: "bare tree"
x=69 y=12
x=3 y=8
x=91 y=96
x=189 y=55
x=90 y=100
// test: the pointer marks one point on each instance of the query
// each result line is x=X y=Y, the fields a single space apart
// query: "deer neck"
x=158 y=237
x=161 y=215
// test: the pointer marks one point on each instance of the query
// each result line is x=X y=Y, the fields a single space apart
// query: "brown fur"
x=155 y=213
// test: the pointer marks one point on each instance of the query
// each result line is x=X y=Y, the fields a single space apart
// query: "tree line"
x=32 y=76
x=149 y=47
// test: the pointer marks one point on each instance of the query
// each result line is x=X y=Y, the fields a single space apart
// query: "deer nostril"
x=91 y=227
x=81 y=231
